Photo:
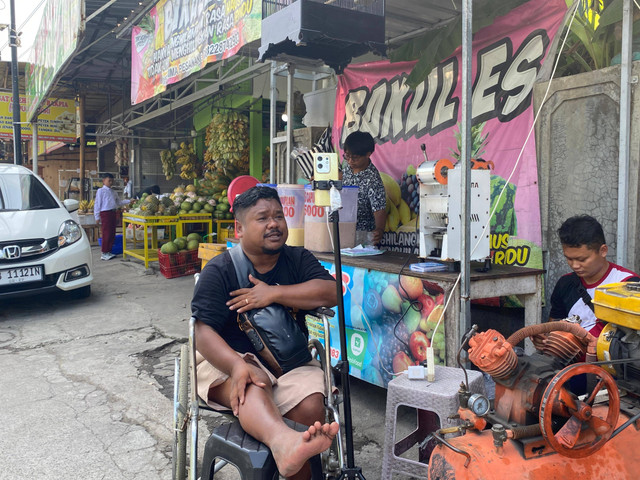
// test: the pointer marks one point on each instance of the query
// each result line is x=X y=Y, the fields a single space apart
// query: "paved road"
x=86 y=385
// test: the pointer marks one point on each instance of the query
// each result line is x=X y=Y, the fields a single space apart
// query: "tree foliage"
x=594 y=38
x=438 y=44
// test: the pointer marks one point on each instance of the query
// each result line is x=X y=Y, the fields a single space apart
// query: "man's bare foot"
x=291 y=456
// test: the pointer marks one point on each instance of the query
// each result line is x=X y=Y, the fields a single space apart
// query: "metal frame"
x=190 y=414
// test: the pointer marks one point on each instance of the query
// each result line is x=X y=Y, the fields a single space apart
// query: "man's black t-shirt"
x=218 y=278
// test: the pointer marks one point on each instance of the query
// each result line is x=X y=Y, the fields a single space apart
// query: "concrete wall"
x=577 y=138
x=62 y=164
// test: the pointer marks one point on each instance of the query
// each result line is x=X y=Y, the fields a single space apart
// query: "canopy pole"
x=13 y=42
x=465 y=154
x=272 y=124
x=287 y=164
x=82 y=145
x=34 y=145
x=625 y=127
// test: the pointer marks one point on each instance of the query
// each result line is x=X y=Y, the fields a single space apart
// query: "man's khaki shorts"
x=288 y=390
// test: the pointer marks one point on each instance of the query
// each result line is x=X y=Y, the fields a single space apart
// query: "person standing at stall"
x=360 y=171
x=128 y=188
x=104 y=210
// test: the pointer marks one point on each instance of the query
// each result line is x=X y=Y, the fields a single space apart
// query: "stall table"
x=194 y=218
x=501 y=280
x=149 y=253
x=91 y=228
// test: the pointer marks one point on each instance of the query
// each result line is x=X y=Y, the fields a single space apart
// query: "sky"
x=28 y=15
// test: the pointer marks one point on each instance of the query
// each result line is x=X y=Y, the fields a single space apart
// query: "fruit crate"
x=179 y=264
x=206 y=251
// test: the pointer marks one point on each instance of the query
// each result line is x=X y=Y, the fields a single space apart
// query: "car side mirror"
x=71 y=205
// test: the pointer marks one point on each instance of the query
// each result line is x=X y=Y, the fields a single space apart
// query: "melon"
x=169 y=248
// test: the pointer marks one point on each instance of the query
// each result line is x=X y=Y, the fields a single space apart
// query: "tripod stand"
x=350 y=471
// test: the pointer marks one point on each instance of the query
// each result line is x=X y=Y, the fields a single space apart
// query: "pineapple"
x=478 y=145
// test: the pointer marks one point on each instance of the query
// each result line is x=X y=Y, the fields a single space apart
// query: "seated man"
x=585 y=249
x=230 y=372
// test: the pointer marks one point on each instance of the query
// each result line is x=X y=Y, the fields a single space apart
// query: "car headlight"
x=70 y=232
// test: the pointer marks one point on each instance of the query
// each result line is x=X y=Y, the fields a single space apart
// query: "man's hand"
x=247 y=299
x=539 y=340
x=241 y=376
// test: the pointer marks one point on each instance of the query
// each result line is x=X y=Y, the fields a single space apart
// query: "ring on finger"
x=246 y=300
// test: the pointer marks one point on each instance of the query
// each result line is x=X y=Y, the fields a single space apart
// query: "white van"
x=42 y=248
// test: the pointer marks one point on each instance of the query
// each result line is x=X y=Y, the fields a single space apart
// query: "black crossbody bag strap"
x=586 y=298
x=243 y=268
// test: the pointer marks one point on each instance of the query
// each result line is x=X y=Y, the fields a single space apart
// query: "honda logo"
x=11 y=251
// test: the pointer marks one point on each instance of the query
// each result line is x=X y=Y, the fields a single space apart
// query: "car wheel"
x=82 y=292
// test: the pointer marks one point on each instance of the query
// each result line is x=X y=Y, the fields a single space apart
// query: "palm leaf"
x=439 y=44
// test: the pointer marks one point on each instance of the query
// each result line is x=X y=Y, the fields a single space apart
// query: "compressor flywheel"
x=587 y=428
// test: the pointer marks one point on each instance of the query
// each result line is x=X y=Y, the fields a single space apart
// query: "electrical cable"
x=25 y=21
x=497 y=201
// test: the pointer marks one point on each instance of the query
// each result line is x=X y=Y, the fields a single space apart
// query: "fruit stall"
x=393 y=314
x=200 y=208
x=145 y=229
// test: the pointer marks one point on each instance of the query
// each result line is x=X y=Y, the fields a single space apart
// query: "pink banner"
x=507 y=57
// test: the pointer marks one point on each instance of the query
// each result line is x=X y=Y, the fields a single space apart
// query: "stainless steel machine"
x=440 y=211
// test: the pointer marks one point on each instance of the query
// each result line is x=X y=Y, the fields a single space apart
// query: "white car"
x=42 y=248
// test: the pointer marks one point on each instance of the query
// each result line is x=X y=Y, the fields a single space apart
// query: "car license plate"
x=10 y=276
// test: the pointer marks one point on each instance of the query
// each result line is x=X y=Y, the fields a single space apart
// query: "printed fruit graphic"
x=418 y=344
x=391 y=299
x=410 y=189
x=401 y=362
x=504 y=220
x=393 y=217
x=429 y=323
x=478 y=142
x=402 y=201
x=404 y=212
x=428 y=303
x=438 y=344
x=412 y=316
x=372 y=304
x=391 y=187
x=410 y=287
x=436 y=313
